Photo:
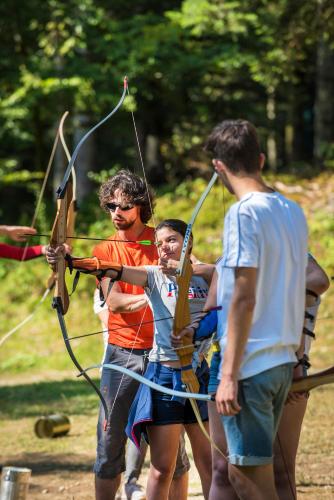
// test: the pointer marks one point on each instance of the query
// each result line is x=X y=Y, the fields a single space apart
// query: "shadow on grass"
x=44 y=463
x=30 y=400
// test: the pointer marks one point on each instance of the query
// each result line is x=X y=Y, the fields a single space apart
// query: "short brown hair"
x=135 y=190
x=236 y=144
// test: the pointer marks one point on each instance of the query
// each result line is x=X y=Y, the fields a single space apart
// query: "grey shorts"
x=119 y=392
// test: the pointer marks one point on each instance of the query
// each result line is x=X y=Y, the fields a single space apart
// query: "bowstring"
x=116 y=329
x=286 y=467
x=8 y=334
x=39 y=199
x=150 y=291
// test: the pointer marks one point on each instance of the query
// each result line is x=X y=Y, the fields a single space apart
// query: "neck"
x=243 y=185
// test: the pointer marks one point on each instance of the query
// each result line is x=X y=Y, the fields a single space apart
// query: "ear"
x=219 y=166
x=262 y=160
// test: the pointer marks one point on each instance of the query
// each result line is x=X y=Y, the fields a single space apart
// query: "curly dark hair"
x=235 y=143
x=135 y=190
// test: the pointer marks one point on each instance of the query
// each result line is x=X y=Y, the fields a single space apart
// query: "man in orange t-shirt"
x=129 y=202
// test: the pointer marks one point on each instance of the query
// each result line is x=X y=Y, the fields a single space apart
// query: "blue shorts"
x=250 y=434
x=168 y=411
x=214 y=372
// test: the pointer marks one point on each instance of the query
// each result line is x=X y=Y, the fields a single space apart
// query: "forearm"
x=204 y=270
x=126 y=303
x=133 y=275
x=301 y=349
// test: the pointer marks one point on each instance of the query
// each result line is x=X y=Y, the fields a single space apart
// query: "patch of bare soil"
x=57 y=477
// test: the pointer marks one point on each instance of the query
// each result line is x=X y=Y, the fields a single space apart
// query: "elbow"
x=114 y=308
x=323 y=285
x=246 y=303
x=320 y=284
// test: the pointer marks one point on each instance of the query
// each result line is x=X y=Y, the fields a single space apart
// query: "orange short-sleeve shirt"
x=121 y=332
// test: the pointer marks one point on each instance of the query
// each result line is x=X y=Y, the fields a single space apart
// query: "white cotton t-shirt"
x=268 y=232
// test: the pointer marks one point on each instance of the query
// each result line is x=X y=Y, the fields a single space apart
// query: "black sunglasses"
x=112 y=207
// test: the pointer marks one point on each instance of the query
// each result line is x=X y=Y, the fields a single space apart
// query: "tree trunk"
x=271 y=139
x=86 y=157
x=324 y=102
x=154 y=164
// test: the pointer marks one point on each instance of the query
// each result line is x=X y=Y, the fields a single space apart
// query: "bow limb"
x=67 y=174
x=66 y=200
x=305 y=384
x=182 y=317
x=185 y=353
x=72 y=208
x=61 y=298
x=58 y=237
x=62 y=224
x=8 y=334
x=149 y=383
x=197 y=208
x=184 y=273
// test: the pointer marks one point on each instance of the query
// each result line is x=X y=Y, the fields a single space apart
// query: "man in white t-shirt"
x=260 y=284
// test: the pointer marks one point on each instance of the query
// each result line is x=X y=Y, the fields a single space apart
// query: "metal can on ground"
x=14 y=483
x=52 y=426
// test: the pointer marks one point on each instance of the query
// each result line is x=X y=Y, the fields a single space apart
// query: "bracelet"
x=304 y=362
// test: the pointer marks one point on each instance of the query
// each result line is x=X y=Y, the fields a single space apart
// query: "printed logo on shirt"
x=195 y=292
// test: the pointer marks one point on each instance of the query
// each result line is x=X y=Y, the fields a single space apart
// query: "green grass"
x=38 y=347
x=73 y=397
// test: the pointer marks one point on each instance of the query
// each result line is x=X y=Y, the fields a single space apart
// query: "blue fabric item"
x=141 y=410
x=207 y=326
x=143 y=407
x=214 y=373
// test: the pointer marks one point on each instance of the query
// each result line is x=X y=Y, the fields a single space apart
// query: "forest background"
x=190 y=64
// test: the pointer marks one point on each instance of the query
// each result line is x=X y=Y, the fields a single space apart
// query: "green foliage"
x=190 y=63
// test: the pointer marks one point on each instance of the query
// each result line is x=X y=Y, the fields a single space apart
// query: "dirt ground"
x=62 y=467
x=69 y=477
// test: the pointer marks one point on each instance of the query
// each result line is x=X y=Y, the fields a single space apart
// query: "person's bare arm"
x=317 y=281
x=120 y=302
x=17 y=233
x=204 y=270
x=125 y=302
x=104 y=316
x=211 y=300
x=316 y=278
x=239 y=324
x=170 y=266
